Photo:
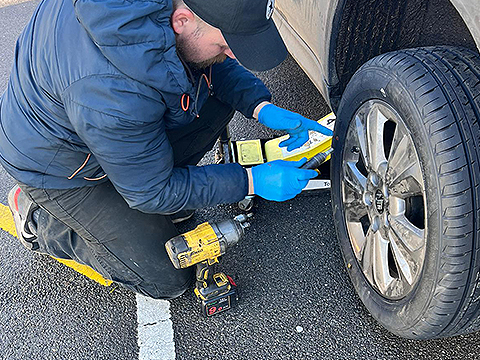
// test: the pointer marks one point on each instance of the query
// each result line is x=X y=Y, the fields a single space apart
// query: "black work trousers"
x=95 y=226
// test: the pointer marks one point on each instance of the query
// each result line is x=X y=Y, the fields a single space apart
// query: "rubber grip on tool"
x=314 y=162
x=317 y=160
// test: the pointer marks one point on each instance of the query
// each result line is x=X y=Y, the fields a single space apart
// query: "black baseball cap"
x=248 y=28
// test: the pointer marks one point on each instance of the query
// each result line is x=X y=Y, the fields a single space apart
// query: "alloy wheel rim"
x=383 y=194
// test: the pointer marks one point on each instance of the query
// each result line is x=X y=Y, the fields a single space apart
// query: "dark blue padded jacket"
x=94 y=86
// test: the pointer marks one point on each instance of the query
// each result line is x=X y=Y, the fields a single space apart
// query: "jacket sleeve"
x=238 y=87
x=121 y=123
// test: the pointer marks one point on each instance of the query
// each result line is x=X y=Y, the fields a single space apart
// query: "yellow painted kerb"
x=6 y=220
x=7 y=224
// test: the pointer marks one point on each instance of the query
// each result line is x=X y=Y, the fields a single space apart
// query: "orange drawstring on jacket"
x=182 y=102
x=185 y=100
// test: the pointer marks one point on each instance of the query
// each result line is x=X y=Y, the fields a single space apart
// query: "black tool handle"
x=317 y=160
x=203 y=272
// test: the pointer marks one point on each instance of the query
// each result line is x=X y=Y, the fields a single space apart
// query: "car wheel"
x=406 y=189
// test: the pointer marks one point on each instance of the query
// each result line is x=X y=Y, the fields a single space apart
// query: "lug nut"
x=367 y=198
x=375 y=224
x=386 y=218
x=385 y=191
x=373 y=179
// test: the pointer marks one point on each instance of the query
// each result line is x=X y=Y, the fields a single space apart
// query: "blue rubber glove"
x=294 y=124
x=280 y=180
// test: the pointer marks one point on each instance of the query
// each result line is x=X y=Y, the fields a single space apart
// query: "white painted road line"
x=155 y=330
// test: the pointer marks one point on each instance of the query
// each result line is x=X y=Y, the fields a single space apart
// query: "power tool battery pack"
x=221 y=302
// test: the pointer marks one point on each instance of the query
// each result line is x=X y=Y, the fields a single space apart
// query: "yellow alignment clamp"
x=250 y=151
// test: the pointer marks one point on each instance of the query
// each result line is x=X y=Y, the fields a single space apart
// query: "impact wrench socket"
x=317 y=160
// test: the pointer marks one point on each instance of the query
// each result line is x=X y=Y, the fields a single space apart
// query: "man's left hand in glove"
x=294 y=124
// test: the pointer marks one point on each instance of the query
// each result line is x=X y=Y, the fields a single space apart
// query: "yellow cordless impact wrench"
x=202 y=247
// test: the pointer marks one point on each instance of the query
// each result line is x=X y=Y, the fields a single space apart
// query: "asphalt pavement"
x=297 y=301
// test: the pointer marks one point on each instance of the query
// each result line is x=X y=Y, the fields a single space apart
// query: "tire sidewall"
x=372 y=82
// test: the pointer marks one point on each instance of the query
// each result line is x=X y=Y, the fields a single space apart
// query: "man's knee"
x=169 y=286
x=159 y=291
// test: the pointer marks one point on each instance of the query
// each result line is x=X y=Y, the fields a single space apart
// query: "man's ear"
x=182 y=20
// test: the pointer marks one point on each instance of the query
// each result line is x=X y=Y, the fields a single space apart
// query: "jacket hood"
x=136 y=37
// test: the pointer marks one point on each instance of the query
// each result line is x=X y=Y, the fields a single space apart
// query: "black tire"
x=436 y=92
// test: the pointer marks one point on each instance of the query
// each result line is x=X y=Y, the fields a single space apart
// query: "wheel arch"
x=363 y=29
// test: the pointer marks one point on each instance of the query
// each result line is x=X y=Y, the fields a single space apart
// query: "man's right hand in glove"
x=279 y=180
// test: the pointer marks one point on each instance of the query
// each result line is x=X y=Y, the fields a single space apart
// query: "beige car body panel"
x=306 y=26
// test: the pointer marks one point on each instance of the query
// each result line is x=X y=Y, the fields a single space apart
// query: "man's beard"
x=191 y=54
x=205 y=64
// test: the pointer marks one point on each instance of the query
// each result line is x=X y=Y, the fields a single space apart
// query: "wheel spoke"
x=367 y=255
x=410 y=235
x=357 y=238
x=404 y=171
x=355 y=209
x=407 y=187
x=355 y=178
x=407 y=261
x=400 y=141
x=360 y=127
x=382 y=276
x=375 y=124
x=354 y=187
